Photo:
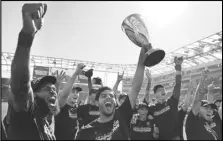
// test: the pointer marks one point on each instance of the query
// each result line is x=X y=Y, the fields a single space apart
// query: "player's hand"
x=80 y=68
x=32 y=14
x=60 y=76
x=178 y=60
x=120 y=76
x=204 y=73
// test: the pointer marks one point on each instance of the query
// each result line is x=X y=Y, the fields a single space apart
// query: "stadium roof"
x=206 y=50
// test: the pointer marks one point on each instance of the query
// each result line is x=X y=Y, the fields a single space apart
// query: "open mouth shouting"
x=52 y=101
x=209 y=115
x=109 y=105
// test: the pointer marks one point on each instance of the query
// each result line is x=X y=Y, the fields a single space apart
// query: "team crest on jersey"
x=164 y=110
x=108 y=136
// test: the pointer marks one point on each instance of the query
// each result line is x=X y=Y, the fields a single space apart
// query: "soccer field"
x=4 y=109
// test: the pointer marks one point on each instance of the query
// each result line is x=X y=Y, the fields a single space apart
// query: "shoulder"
x=152 y=107
x=86 y=132
x=81 y=108
x=84 y=106
x=217 y=119
x=19 y=118
x=192 y=117
x=171 y=99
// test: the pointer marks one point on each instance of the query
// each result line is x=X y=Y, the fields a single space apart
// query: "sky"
x=91 y=31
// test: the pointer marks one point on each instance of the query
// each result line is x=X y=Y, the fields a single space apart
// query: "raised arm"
x=189 y=97
x=89 y=74
x=69 y=85
x=22 y=93
x=60 y=77
x=177 y=87
x=138 y=78
x=146 y=98
x=197 y=97
x=210 y=94
x=119 y=79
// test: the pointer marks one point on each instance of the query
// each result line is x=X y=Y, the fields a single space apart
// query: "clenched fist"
x=178 y=61
x=32 y=14
x=79 y=68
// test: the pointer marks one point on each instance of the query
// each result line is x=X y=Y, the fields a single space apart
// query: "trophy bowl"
x=136 y=30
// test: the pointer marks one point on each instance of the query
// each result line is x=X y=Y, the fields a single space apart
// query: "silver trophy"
x=136 y=30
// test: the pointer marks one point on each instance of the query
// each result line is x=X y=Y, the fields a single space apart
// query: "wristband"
x=25 y=39
x=178 y=67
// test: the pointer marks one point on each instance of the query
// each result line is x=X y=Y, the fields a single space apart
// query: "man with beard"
x=66 y=120
x=30 y=104
x=113 y=123
x=166 y=111
x=142 y=125
x=201 y=122
x=88 y=112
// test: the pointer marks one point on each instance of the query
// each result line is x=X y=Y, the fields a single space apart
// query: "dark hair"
x=100 y=90
x=157 y=87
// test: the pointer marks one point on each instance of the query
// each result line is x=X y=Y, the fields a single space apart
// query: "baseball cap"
x=142 y=105
x=156 y=87
x=37 y=83
x=205 y=103
x=79 y=89
x=219 y=100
